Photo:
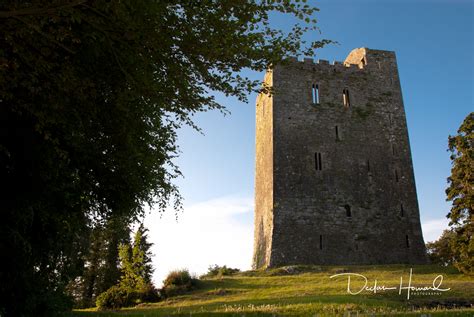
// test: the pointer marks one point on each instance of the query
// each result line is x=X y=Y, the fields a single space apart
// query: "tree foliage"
x=135 y=261
x=461 y=193
x=101 y=262
x=440 y=251
x=92 y=92
x=135 y=284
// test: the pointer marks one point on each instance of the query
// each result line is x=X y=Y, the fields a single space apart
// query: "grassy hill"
x=309 y=291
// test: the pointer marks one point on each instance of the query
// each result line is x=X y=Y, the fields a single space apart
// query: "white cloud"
x=217 y=231
x=206 y=233
x=432 y=229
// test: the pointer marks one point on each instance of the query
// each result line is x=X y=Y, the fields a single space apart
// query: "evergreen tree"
x=117 y=232
x=461 y=193
x=136 y=263
x=92 y=267
x=101 y=263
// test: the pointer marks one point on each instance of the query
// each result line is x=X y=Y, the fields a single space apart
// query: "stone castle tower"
x=334 y=177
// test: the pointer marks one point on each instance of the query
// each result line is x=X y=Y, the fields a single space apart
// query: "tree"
x=440 y=251
x=136 y=261
x=92 y=92
x=135 y=284
x=90 y=278
x=101 y=262
x=115 y=233
x=461 y=193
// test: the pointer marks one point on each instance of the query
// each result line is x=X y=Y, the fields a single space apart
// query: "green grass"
x=308 y=291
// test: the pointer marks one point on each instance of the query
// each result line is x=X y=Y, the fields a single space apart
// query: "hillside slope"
x=310 y=291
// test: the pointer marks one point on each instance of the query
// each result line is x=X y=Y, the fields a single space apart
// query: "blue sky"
x=434 y=43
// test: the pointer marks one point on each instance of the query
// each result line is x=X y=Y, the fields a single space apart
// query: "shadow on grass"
x=156 y=314
x=249 y=307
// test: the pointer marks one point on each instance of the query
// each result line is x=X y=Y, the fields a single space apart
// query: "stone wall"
x=263 y=177
x=334 y=182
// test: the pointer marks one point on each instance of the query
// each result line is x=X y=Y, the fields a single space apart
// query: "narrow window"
x=337 y=133
x=348 y=210
x=368 y=166
x=402 y=211
x=407 y=241
x=393 y=149
x=320 y=242
x=396 y=176
x=317 y=161
x=345 y=98
x=390 y=118
x=315 y=93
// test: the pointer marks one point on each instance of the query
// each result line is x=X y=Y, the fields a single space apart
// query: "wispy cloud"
x=432 y=229
x=206 y=233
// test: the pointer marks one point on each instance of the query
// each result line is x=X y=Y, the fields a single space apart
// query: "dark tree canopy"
x=461 y=193
x=92 y=92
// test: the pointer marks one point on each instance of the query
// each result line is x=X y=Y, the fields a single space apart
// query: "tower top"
x=362 y=57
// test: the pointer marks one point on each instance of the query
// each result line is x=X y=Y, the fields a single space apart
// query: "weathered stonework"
x=334 y=182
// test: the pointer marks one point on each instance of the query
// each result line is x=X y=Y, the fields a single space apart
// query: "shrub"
x=115 y=297
x=178 y=282
x=148 y=294
x=118 y=296
x=219 y=271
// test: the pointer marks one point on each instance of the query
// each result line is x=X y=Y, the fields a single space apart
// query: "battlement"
x=359 y=58
x=308 y=61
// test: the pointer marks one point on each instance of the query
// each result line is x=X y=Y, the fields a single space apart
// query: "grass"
x=309 y=291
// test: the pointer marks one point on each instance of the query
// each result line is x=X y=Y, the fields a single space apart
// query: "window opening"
x=315 y=93
x=345 y=98
x=348 y=210
x=317 y=161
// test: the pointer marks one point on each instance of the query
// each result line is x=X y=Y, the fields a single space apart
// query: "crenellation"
x=334 y=65
x=307 y=171
x=291 y=59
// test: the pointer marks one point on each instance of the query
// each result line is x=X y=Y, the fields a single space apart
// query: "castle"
x=334 y=180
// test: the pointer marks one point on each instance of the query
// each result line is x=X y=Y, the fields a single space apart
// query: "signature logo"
x=375 y=287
